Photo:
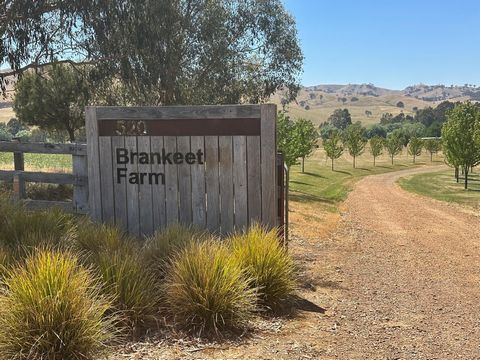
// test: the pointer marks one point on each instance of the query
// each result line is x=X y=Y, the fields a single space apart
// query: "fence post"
x=80 y=188
x=19 y=165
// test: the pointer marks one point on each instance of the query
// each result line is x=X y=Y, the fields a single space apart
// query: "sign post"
x=211 y=166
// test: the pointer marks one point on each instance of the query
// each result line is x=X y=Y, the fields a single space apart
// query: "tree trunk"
x=71 y=134
x=466 y=177
x=431 y=157
x=332 y=164
x=456 y=174
x=354 y=162
x=414 y=158
x=374 y=161
x=303 y=165
x=392 y=159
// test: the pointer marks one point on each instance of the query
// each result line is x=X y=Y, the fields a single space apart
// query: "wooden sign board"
x=211 y=166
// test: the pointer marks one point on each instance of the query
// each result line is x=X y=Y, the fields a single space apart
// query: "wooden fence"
x=78 y=178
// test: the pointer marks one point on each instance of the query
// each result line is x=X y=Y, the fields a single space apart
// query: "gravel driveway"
x=412 y=282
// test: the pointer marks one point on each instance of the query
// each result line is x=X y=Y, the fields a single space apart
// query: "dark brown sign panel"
x=212 y=166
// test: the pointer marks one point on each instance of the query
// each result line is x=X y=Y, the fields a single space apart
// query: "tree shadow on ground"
x=291 y=306
x=343 y=172
x=315 y=175
x=302 y=197
x=364 y=169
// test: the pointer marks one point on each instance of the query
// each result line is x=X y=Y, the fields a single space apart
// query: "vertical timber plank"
x=106 y=186
x=158 y=191
x=184 y=181
x=226 y=183
x=80 y=191
x=171 y=182
x=268 y=151
x=240 y=181
x=198 y=183
x=145 y=188
x=254 y=180
x=133 y=211
x=119 y=188
x=93 y=164
x=212 y=183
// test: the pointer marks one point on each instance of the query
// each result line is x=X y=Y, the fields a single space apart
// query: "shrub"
x=206 y=290
x=134 y=289
x=267 y=263
x=52 y=309
x=159 y=247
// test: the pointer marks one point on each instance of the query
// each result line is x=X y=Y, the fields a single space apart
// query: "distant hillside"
x=367 y=103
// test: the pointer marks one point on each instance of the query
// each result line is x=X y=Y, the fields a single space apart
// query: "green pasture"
x=443 y=186
x=39 y=162
x=328 y=188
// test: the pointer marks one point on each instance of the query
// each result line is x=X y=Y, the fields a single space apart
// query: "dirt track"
x=412 y=280
x=399 y=278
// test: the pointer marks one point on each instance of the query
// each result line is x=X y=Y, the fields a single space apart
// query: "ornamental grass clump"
x=164 y=243
x=52 y=308
x=94 y=238
x=133 y=288
x=206 y=291
x=267 y=263
x=20 y=228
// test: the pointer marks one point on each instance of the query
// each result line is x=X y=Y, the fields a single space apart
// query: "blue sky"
x=389 y=43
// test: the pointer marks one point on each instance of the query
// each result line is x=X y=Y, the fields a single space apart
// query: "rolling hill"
x=366 y=102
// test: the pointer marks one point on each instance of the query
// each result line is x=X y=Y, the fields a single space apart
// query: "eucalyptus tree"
x=159 y=52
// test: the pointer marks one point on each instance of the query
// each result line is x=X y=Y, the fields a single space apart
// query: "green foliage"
x=204 y=51
x=206 y=289
x=287 y=141
x=267 y=263
x=376 y=147
x=53 y=100
x=460 y=146
x=341 y=119
x=164 y=243
x=432 y=146
x=306 y=138
x=354 y=140
x=415 y=147
x=394 y=145
x=52 y=308
x=333 y=147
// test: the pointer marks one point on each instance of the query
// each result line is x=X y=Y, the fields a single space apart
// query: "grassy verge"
x=442 y=186
x=327 y=188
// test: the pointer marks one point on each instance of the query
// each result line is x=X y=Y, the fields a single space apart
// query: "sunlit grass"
x=443 y=186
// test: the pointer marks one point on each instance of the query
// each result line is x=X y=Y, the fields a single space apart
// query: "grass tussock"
x=163 y=244
x=133 y=288
x=206 y=290
x=267 y=263
x=52 y=308
x=93 y=238
x=27 y=229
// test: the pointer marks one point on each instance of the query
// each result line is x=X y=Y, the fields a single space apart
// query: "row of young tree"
x=354 y=141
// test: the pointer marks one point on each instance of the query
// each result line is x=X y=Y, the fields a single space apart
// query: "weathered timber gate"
x=212 y=166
